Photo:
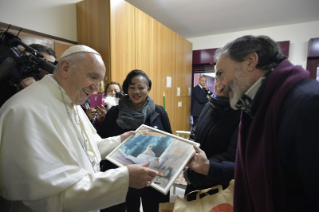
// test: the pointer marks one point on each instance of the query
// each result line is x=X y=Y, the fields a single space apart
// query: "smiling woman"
x=135 y=109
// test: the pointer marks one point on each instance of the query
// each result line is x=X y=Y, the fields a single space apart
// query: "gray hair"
x=268 y=51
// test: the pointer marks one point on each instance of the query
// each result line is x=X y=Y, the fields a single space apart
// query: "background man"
x=199 y=98
x=217 y=133
x=278 y=137
x=50 y=152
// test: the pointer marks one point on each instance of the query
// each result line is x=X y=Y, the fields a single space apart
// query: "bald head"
x=202 y=81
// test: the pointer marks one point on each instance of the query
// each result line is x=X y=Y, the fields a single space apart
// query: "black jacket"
x=217 y=133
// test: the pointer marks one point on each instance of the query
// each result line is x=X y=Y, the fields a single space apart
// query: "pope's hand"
x=125 y=135
x=140 y=175
x=199 y=163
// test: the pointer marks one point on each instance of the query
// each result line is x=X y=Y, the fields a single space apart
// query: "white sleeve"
x=93 y=192
x=107 y=145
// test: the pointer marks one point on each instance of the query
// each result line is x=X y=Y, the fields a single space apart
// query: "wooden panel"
x=173 y=57
x=170 y=54
x=33 y=34
x=123 y=51
x=187 y=72
x=144 y=45
x=82 y=30
x=60 y=48
x=93 y=28
x=159 y=64
x=179 y=82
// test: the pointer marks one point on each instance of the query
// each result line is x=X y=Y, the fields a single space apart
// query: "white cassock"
x=42 y=161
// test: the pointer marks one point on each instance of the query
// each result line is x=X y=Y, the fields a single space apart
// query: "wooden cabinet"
x=137 y=41
x=28 y=37
x=284 y=45
x=204 y=56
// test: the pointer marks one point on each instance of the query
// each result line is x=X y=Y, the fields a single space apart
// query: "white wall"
x=53 y=17
x=298 y=35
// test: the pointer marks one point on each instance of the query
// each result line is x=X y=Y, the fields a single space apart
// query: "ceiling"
x=196 y=18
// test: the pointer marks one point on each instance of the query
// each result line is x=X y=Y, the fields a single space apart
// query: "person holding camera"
x=97 y=114
x=50 y=160
x=48 y=55
x=134 y=109
x=114 y=93
x=113 y=89
x=23 y=74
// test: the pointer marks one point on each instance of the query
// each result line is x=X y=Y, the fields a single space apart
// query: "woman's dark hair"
x=112 y=83
x=40 y=48
x=268 y=51
x=132 y=74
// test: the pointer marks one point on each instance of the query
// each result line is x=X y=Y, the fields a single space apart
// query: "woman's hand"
x=101 y=112
x=91 y=113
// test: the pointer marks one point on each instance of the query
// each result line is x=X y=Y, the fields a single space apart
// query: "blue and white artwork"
x=167 y=154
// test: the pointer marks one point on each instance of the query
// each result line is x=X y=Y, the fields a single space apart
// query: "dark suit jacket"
x=199 y=100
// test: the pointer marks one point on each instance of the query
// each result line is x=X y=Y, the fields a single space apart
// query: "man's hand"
x=27 y=81
x=125 y=135
x=199 y=163
x=91 y=113
x=140 y=175
x=101 y=112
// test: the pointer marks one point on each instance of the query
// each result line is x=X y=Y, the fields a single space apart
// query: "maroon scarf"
x=258 y=181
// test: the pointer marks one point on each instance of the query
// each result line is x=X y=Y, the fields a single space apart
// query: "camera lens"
x=119 y=95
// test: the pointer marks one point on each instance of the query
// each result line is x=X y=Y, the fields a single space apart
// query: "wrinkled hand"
x=101 y=112
x=139 y=175
x=91 y=113
x=27 y=81
x=185 y=175
x=199 y=163
x=125 y=135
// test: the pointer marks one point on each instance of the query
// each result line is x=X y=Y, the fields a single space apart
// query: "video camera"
x=16 y=65
x=119 y=94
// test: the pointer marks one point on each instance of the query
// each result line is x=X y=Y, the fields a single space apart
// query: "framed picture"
x=168 y=154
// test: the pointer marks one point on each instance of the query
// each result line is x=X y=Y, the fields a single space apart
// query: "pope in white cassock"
x=50 y=152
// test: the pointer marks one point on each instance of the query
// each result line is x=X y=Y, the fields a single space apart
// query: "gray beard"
x=239 y=85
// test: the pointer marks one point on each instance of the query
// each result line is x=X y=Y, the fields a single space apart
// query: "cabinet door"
x=123 y=37
x=203 y=56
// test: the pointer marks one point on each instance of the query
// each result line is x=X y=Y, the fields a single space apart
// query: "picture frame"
x=168 y=154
